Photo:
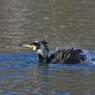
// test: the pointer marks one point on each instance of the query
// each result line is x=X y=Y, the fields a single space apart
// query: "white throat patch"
x=39 y=51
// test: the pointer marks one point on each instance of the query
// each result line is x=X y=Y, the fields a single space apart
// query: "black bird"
x=58 y=56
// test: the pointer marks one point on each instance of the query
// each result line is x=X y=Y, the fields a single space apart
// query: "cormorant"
x=58 y=56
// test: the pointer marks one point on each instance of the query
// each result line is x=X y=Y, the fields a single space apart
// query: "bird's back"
x=68 y=56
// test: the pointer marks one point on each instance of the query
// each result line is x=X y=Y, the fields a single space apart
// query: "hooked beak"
x=33 y=47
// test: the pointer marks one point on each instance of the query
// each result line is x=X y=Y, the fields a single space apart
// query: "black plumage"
x=58 y=56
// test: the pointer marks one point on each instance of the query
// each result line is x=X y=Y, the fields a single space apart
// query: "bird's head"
x=40 y=46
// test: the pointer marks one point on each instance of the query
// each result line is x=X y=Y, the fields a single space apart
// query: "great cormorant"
x=58 y=56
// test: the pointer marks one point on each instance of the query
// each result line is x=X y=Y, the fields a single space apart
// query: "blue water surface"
x=21 y=75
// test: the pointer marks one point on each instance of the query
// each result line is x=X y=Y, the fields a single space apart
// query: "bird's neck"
x=43 y=59
x=43 y=56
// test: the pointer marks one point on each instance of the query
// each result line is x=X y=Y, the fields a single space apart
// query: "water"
x=60 y=22
x=63 y=23
x=21 y=75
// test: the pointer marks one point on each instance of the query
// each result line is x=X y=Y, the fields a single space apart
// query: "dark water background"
x=63 y=23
